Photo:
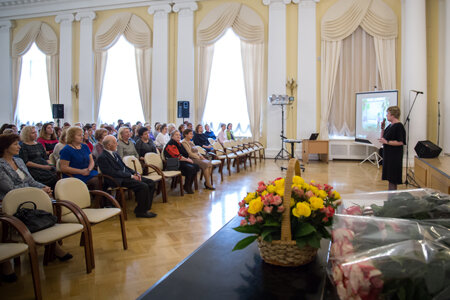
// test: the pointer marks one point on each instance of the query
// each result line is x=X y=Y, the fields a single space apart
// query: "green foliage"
x=245 y=242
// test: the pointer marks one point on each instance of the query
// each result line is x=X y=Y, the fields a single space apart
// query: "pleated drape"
x=340 y=21
x=249 y=27
x=47 y=42
x=137 y=32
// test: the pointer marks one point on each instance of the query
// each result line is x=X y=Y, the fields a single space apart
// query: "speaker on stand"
x=183 y=110
x=58 y=112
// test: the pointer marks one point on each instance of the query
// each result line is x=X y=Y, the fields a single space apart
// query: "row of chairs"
x=75 y=214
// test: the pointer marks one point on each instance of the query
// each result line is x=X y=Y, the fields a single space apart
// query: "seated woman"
x=76 y=159
x=197 y=158
x=230 y=135
x=188 y=168
x=182 y=127
x=222 y=136
x=144 y=143
x=100 y=134
x=13 y=175
x=87 y=136
x=163 y=137
x=200 y=139
x=61 y=144
x=125 y=145
x=209 y=133
x=36 y=159
x=48 y=138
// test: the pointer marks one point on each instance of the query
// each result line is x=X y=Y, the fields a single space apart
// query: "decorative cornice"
x=159 y=9
x=190 y=6
x=277 y=2
x=306 y=3
x=65 y=18
x=90 y=15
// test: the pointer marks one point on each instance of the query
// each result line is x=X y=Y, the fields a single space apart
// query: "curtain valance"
x=135 y=30
x=374 y=16
x=245 y=23
x=38 y=32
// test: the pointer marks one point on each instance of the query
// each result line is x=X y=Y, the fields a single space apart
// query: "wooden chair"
x=75 y=191
x=12 y=250
x=48 y=237
x=116 y=190
x=240 y=156
x=222 y=154
x=258 y=147
x=155 y=175
x=154 y=162
x=214 y=162
x=251 y=150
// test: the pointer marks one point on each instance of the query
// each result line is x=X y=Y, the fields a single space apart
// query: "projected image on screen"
x=370 y=111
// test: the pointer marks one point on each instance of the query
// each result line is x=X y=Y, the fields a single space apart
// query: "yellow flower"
x=322 y=194
x=279 y=186
x=292 y=202
x=336 y=195
x=270 y=188
x=306 y=186
x=302 y=210
x=314 y=190
x=297 y=180
x=255 y=206
x=316 y=203
x=249 y=197
x=264 y=193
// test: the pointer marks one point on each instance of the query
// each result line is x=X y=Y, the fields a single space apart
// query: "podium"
x=314 y=147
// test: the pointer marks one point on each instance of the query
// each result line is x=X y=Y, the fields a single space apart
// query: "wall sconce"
x=292 y=85
x=75 y=90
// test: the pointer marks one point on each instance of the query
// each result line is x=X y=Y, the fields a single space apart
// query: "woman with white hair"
x=125 y=146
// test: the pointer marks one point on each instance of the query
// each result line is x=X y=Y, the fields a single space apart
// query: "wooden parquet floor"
x=158 y=245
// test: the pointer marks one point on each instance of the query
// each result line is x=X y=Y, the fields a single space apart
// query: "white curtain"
x=385 y=52
x=249 y=27
x=137 y=32
x=357 y=72
x=47 y=42
x=340 y=21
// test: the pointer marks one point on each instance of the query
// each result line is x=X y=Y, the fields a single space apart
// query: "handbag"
x=35 y=219
x=172 y=164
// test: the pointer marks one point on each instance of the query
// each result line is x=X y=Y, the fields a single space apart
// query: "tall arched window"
x=226 y=100
x=33 y=102
x=120 y=97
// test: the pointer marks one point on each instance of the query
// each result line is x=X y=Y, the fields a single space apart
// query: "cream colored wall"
x=291 y=50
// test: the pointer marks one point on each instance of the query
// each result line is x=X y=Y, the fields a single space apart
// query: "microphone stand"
x=407 y=122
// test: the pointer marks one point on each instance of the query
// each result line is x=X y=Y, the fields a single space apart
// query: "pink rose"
x=280 y=209
x=342 y=234
x=328 y=210
x=259 y=219
x=277 y=200
x=243 y=222
x=243 y=212
x=252 y=220
x=353 y=210
x=266 y=202
x=309 y=194
x=242 y=203
x=268 y=209
x=261 y=183
x=341 y=249
x=261 y=188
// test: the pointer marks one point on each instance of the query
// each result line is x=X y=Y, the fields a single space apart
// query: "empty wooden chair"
x=214 y=162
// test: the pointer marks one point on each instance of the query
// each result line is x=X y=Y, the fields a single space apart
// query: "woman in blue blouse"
x=209 y=133
x=76 y=159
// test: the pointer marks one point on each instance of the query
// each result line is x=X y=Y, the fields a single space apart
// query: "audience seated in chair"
x=48 y=138
x=112 y=165
x=36 y=159
x=222 y=136
x=98 y=148
x=197 y=158
x=87 y=133
x=144 y=143
x=61 y=144
x=163 y=137
x=209 y=133
x=76 y=159
x=188 y=168
x=200 y=139
x=126 y=145
x=229 y=132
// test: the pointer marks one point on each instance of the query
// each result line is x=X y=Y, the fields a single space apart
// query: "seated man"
x=112 y=165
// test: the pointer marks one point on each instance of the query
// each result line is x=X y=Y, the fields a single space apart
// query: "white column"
x=86 y=70
x=6 y=111
x=185 y=55
x=160 y=63
x=414 y=69
x=65 y=64
x=444 y=74
x=276 y=71
x=307 y=63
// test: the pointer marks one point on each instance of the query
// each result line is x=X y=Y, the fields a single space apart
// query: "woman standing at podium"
x=393 y=138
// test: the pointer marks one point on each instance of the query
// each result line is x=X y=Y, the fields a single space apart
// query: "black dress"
x=36 y=153
x=393 y=155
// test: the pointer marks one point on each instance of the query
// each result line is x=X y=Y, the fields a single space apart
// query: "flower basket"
x=285 y=252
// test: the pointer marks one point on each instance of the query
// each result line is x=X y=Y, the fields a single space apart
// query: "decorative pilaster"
x=276 y=71
x=444 y=74
x=6 y=113
x=65 y=64
x=86 y=76
x=185 y=55
x=160 y=62
x=414 y=69
x=307 y=63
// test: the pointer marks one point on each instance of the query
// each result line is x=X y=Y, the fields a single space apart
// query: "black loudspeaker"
x=183 y=109
x=426 y=149
x=58 y=111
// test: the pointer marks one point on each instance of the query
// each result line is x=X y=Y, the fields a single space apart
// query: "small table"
x=214 y=272
x=292 y=142
x=315 y=147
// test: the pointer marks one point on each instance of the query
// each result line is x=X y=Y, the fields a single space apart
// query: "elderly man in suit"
x=111 y=164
